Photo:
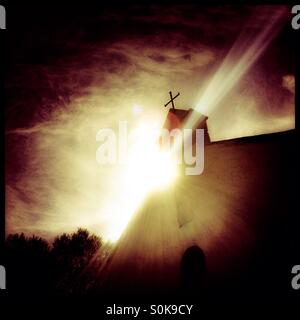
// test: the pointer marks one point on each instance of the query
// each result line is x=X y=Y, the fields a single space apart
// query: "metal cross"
x=172 y=99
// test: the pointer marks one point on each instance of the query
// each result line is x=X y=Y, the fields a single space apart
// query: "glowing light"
x=148 y=169
x=137 y=109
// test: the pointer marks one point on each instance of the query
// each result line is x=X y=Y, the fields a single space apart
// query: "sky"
x=76 y=70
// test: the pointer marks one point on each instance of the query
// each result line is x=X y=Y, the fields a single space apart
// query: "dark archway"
x=192 y=268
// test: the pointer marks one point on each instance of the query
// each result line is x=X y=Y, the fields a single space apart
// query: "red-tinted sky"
x=72 y=71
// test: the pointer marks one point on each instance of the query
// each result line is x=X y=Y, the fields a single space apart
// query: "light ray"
x=250 y=45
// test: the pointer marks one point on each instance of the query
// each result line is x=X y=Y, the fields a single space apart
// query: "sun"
x=148 y=169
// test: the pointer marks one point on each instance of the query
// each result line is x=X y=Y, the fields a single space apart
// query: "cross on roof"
x=172 y=99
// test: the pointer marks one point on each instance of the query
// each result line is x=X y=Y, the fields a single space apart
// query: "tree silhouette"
x=72 y=254
x=28 y=263
x=37 y=267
